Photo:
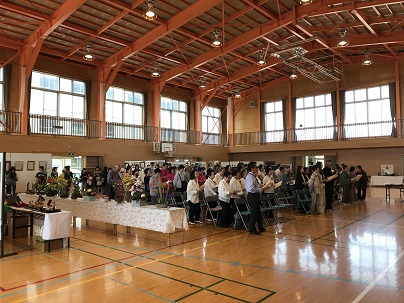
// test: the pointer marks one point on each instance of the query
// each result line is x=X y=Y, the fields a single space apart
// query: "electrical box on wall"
x=253 y=103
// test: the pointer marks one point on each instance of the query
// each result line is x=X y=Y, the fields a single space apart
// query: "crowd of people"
x=227 y=184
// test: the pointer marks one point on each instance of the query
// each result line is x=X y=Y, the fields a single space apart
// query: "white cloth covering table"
x=151 y=217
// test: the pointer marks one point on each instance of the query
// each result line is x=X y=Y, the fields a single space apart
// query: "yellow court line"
x=119 y=271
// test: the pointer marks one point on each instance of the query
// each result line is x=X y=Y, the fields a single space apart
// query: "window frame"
x=277 y=134
x=212 y=136
x=359 y=126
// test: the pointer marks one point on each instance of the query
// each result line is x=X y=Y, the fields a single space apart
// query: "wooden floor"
x=354 y=254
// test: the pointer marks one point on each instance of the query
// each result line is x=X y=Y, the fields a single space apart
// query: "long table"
x=164 y=220
x=56 y=225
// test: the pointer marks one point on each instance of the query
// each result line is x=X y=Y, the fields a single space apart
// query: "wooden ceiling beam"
x=160 y=31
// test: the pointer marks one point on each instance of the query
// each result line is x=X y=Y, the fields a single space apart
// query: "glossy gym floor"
x=354 y=254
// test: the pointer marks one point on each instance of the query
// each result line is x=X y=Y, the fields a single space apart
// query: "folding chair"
x=271 y=200
x=243 y=210
x=285 y=203
x=303 y=199
x=177 y=199
x=210 y=201
x=266 y=209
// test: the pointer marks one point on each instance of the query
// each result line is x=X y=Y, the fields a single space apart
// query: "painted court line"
x=371 y=285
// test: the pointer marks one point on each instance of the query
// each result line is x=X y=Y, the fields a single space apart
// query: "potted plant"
x=128 y=182
x=76 y=190
x=163 y=195
x=89 y=195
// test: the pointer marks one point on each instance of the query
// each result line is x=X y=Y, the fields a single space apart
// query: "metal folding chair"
x=303 y=199
x=243 y=210
x=285 y=203
x=209 y=202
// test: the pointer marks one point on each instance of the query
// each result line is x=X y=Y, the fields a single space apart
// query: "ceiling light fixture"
x=293 y=76
x=261 y=58
x=155 y=70
x=367 y=60
x=150 y=10
x=88 y=56
x=216 y=42
x=202 y=82
x=237 y=94
x=304 y=2
x=343 y=38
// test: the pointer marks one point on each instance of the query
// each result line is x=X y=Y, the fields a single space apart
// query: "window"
x=367 y=112
x=124 y=114
x=273 y=120
x=211 y=125
x=62 y=100
x=173 y=120
x=314 y=118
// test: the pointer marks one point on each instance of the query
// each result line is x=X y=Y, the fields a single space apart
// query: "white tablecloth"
x=55 y=226
x=164 y=220
x=382 y=180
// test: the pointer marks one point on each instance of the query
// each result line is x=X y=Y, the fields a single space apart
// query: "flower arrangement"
x=119 y=191
x=128 y=181
x=136 y=191
x=163 y=194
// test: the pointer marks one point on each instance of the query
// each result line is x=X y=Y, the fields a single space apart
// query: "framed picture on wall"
x=42 y=163
x=30 y=165
x=19 y=165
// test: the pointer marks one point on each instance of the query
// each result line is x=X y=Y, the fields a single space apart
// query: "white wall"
x=25 y=175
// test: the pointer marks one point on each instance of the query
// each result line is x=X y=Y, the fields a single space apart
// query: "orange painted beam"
x=338 y=113
x=398 y=99
x=162 y=30
x=237 y=42
x=156 y=109
x=209 y=98
x=102 y=92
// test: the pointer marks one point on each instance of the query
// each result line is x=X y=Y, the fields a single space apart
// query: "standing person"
x=154 y=182
x=219 y=175
x=41 y=176
x=68 y=175
x=83 y=178
x=300 y=181
x=104 y=178
x=112 y=178
x=253 y=199
x=224 y=199
x=346 y=185
x=362 y=183
x=11 y=181
x=329 y=185
x=315 y=186
x=179 y=184
x=269 y=178
x=352 y=176
x=54 y=172
x=193 y=190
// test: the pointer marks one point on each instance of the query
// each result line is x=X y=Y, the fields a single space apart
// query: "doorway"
x=75 y=164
